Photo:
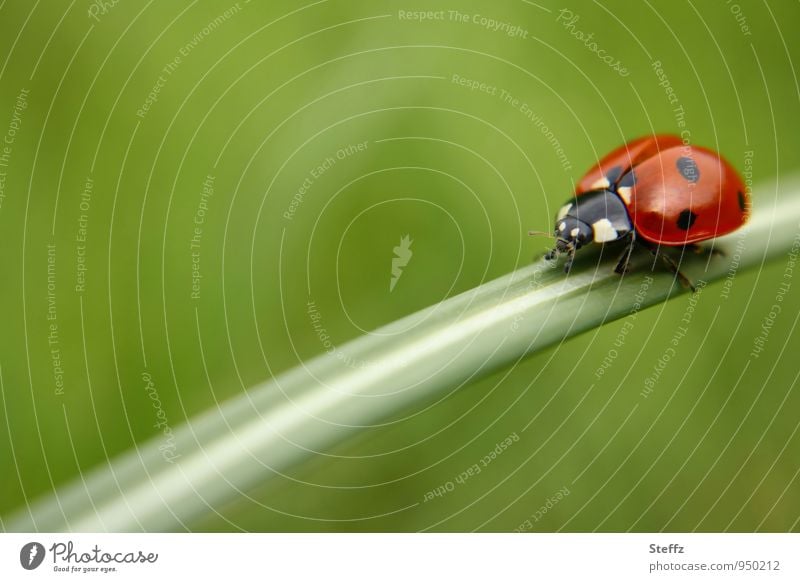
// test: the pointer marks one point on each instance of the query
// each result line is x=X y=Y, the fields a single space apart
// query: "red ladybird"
x=655 y=191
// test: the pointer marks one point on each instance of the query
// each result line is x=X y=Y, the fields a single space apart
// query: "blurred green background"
x=250 y=99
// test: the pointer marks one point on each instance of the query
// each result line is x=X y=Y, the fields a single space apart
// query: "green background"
x=264 y=97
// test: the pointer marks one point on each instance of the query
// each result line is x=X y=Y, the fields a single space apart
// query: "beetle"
x=653 y=191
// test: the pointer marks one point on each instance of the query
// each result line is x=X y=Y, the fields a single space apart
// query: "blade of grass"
x=281 y=422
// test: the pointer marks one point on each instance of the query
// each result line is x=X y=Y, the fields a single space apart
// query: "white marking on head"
x=601 y=184
x=625 y=193
x=562 y=226
x=604 y=231
x=574 y=232
x=563 y=211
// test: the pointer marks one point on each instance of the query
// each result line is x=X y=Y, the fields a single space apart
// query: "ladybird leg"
x=675 y=268
x=570 y=258
x=624 y=259
x=697 y=249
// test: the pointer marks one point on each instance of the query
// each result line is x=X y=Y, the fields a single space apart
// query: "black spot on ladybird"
x=742 y=201
x=613 y=174
x=627 y=180
x=688 y=169
x=686 y=219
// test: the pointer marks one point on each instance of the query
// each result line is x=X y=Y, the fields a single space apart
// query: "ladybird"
x=656 y=192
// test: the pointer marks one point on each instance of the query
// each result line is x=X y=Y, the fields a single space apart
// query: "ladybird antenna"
x=540 y=233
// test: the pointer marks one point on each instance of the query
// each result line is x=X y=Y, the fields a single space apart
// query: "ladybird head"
x=572 y=234
x=598 y=216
